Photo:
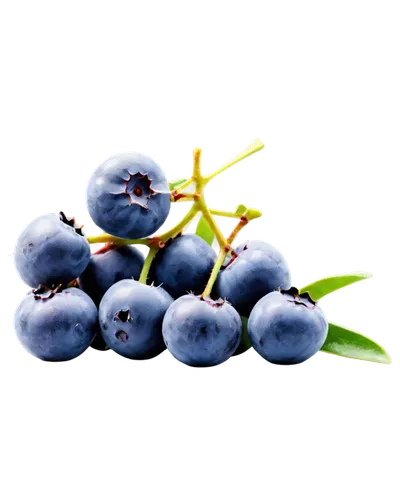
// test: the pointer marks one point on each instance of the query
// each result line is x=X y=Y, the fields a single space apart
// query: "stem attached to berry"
x=250 y=214
x=214 y=273
x=199 y=205
x=147 y=264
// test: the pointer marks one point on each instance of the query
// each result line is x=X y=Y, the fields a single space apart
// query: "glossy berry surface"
x=257 y=269
x=184 y=265
x=128 y=196
x=56 y=326
x=108 y=266
x=131 y=316
x=51 y=251
x=201 y=332
x=287 y=327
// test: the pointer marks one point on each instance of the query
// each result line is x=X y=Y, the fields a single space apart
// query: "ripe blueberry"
x=56 y=325
x=287 y=327
x=200 y=331
x=184 y=265
x=51 y=251
x=108 y=266
x=131 y=316
x=256 y=269
x=128 y=196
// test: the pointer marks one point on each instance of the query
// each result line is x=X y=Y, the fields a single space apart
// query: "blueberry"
x=56 y=325
x=286 y=327
x=128 y=196
x=51 y=251
x=257 y=269
x=131 y=316
x=200 y=331
x=184 y=265
x=108 y=266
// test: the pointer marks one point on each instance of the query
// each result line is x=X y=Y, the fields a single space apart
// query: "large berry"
x=108 y=266
x=128 y=196
x=287 y=327
x=184 y=265
x=131 y=316
x=200 y=331
x=56 y=326
x=256 y=269
x=51 y=251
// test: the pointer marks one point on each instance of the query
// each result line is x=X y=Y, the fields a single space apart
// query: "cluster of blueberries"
x=81 y=299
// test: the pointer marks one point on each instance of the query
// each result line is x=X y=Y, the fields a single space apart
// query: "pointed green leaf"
x=320 y=288
x=176 y=183
x=350 y=344
x=245 y=343
x=204 y=230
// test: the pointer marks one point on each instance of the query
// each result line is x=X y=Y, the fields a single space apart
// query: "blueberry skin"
x=128 y=196
x=59 y=328
x=184 y=265
x=51 y=252
x=258 y=270
x=201 y=332
x=287 y=330
x=108 y=266
x=131 y=316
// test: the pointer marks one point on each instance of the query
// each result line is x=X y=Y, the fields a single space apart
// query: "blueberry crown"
x=45 y=293
x=303 y=299
x=70 y=221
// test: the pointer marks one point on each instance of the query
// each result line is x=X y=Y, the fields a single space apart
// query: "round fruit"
x=51 y=251
x=287 y=327
x=128 y=196
x=200 y=331
x=184 y=265
x=256 y=269
x=131 y=316
x=108 y=266
x=56 y=325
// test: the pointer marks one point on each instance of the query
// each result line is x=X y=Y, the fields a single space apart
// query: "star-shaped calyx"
x=303 y=299
x=70 y=221
x=139 y=189
x=44 y=293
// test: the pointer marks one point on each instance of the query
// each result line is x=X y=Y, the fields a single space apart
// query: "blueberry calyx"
x=123 y=315
x=45 y=293
x=211 y=302
x=303 y=299
x=70 y=221
x=139 y=190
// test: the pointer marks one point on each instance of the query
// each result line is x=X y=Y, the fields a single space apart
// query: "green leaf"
x=320 y=288
x=176 y=183
x=240 y=209
x=350 y=344
x=204 y=230
x=245 y=343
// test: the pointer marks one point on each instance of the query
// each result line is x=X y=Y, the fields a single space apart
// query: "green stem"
x=181 y=225
x=255 y=146
x=197 y=166
x=185 y=185
x=214 y=273
x=224 y=250
x=108 y=238
x=211 y=222
x=147 y=264
x=222 y=213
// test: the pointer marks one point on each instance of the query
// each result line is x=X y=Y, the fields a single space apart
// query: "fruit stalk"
x=147 y=264
x=225 y=249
